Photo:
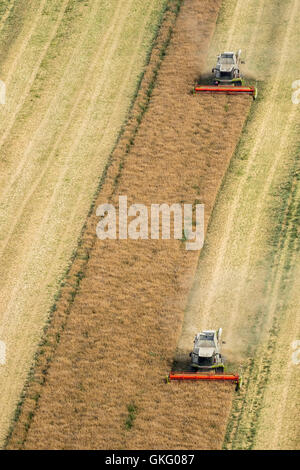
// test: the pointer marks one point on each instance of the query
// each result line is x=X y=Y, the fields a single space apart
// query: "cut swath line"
x=62 y=134
x=6 y=14
x=260 y=207
x=55 y=101
x=268 y=110
x=258 y=377
x=20 y=104
x=288 y=374
x=240 y=7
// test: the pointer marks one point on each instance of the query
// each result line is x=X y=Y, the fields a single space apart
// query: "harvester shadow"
x=208 y=79
x=204 y=79
x=181 y=362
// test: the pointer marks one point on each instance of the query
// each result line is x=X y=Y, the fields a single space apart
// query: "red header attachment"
x=223 y=377
x=227 y=90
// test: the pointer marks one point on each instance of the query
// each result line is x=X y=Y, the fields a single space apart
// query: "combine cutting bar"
x=228 y=90
x=233 y=378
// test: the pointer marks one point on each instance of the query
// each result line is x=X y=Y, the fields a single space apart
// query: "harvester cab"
x=206 y=354
x=227 y=70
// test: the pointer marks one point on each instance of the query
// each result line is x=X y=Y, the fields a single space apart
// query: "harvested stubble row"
x=123 y=325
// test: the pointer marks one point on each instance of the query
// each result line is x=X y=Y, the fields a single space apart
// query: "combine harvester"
x=207 y=362
x=227 y=78
x=206 y=358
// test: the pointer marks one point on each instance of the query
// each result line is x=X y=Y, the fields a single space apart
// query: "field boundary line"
x=260 y=207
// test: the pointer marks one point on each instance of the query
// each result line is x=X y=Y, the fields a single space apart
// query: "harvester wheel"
x=239 y=384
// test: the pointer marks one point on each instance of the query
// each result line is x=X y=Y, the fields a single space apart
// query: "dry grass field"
x=71 y=69
x=126 y=309
x=248 y=274
x=98 y=381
